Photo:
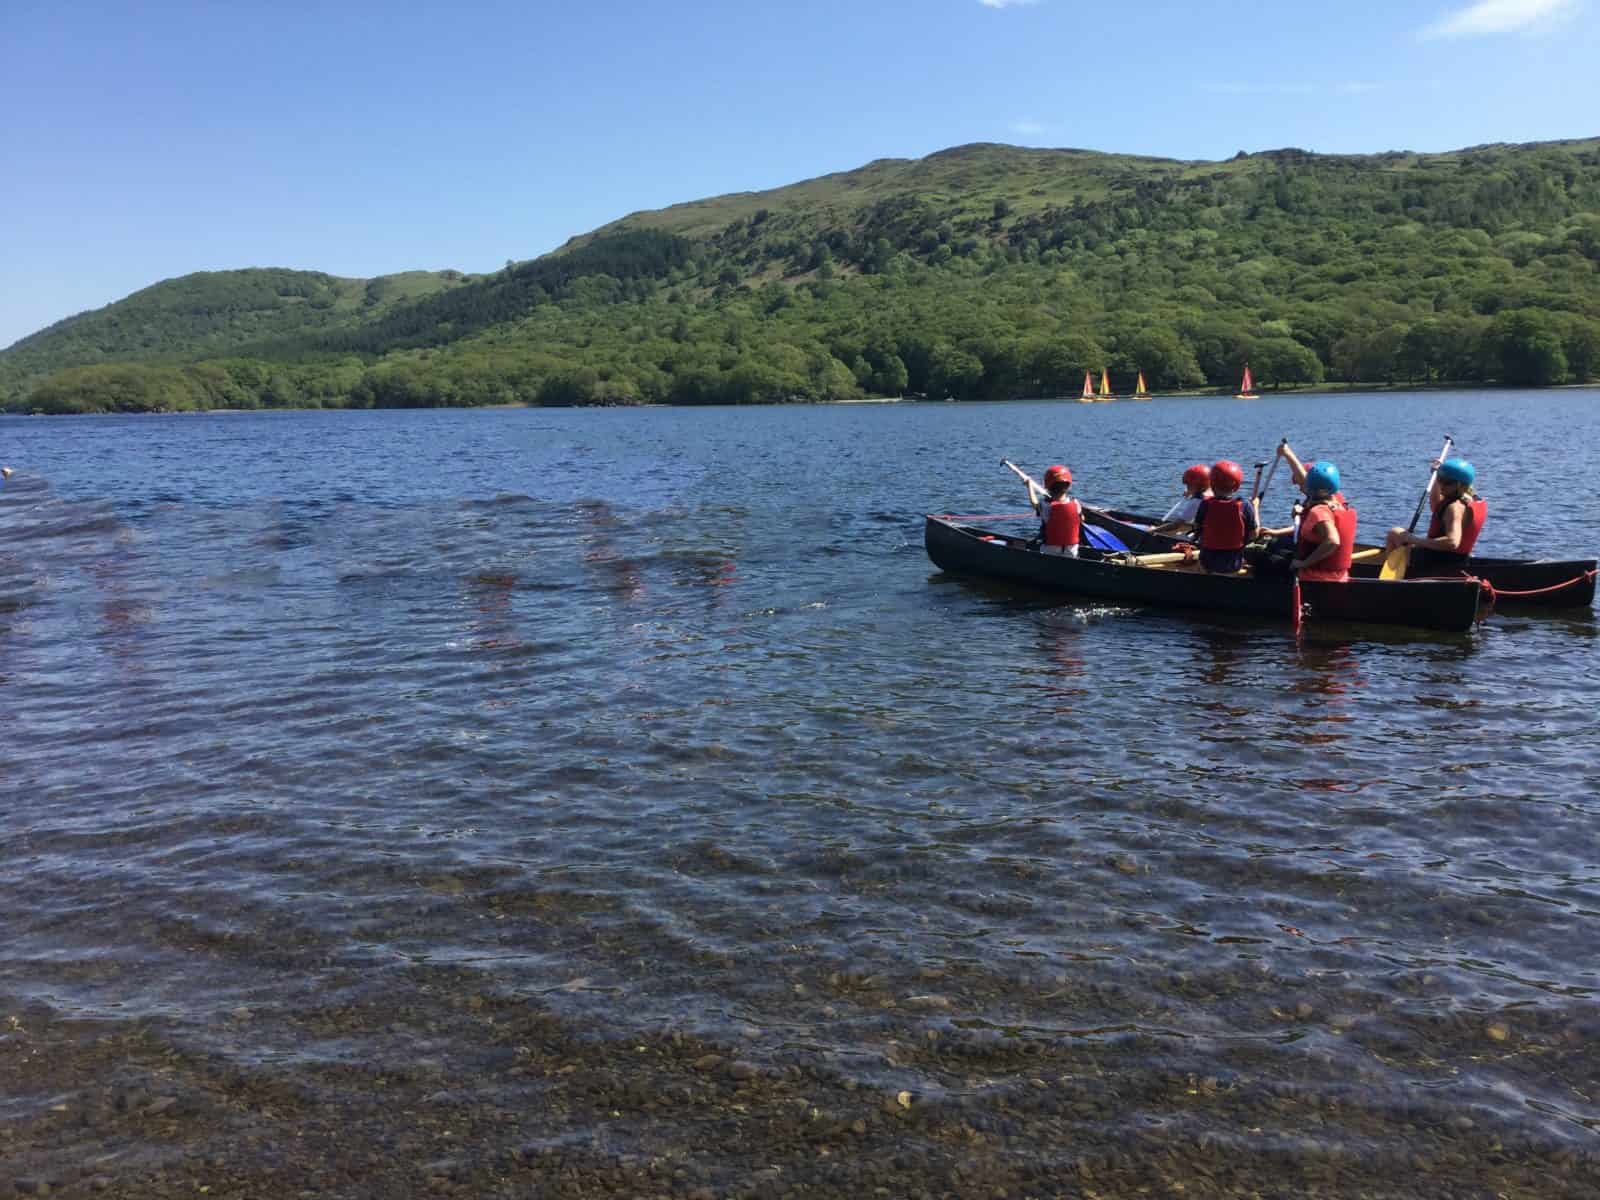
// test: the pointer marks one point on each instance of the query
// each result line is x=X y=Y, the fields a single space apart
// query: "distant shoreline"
x=1193 y=393
x=1313 y=389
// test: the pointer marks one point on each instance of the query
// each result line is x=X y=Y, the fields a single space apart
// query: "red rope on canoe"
x=1485 y=610
x=1555 y=587
x=988 y=517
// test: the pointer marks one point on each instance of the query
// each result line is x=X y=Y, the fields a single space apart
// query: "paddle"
x=1394 y=567
x=1257 y=493
x=1095 y=537
x=1022 y=475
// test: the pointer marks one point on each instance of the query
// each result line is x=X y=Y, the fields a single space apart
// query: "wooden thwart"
x=1173 y=558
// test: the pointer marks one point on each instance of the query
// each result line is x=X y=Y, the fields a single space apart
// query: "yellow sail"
x=1139 y=392
x=1105 y=385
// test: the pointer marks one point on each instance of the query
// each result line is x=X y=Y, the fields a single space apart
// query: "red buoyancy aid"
x=1336 y=567
x=1471 y=523
x=1062 y=524
x=1223 y=528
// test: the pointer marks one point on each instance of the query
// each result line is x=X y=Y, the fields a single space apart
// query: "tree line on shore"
x=1479 y=267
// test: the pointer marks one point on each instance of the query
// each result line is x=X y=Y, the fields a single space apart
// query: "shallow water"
x=662 y=721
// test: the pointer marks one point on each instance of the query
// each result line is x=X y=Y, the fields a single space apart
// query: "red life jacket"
x=1223 y=527
x=1062 y=524
x=1471 y=523
x=1336 y=567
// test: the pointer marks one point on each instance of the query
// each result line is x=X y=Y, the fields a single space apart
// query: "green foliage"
x=215 y=313
x=1527 y=348
x=1279 y=360
x=982 y=272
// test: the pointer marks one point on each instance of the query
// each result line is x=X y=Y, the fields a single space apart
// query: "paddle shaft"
x=1398 y=562
x=1021 y=474
x=1164 y=559
x=1271 y=471
x=1428 y=491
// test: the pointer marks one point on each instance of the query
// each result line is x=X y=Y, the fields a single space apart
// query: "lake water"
x=619 y=802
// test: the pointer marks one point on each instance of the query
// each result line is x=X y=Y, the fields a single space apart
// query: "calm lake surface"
x=337 y=745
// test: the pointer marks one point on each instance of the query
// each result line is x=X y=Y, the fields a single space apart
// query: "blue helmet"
x=1457 y=470
x=1322 y=477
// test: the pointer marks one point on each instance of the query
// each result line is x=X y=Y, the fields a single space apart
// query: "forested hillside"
x=979 y=272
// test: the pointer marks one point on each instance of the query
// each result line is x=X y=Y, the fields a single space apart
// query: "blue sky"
x=144 y=141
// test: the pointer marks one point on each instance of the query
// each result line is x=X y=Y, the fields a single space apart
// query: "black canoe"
x=1545 y=582
x=1448 y=604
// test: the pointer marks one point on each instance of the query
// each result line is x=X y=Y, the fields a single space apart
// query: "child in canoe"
x=1060 y=516
x=1320 y=542
x=1458 y=515
x=1223 y=523
x=1180 y=517
x=1326 y=536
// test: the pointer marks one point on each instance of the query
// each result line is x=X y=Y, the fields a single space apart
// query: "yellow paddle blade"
x=1394 y=567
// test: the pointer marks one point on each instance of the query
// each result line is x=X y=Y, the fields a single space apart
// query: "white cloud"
x=1487 y=17
x=1029 y=128
x=1006 y=3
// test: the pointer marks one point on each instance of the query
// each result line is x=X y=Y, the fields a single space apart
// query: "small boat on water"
x=1541 y=582
x=1139 y=392
x=1088 y=389
x=1444 y=604
x=1247 y=389
x=1105 y=387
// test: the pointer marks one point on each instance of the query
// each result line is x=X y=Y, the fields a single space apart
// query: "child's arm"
x=1435 y=491
x=1035 y=489
x=1297 y=469
x=1449 y=540
x=1325 y=548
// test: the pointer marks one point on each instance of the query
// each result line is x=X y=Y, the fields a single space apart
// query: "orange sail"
x=1105 y=385
x=1139 y=392
x=1088 y=387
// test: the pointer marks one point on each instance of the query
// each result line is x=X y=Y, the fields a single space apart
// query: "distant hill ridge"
x=978 y=271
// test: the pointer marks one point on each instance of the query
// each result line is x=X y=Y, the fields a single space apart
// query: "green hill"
x=981 y=271
x=214 y=313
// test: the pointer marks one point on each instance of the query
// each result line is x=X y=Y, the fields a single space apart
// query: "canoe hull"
x=1554 y=583
x=1445 y=604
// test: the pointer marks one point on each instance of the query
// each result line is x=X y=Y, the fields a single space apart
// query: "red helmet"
x=1057 y=474
x=1226 y=476
x=1197 y=476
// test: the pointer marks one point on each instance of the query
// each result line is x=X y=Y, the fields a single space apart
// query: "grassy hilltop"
x=983 y=271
